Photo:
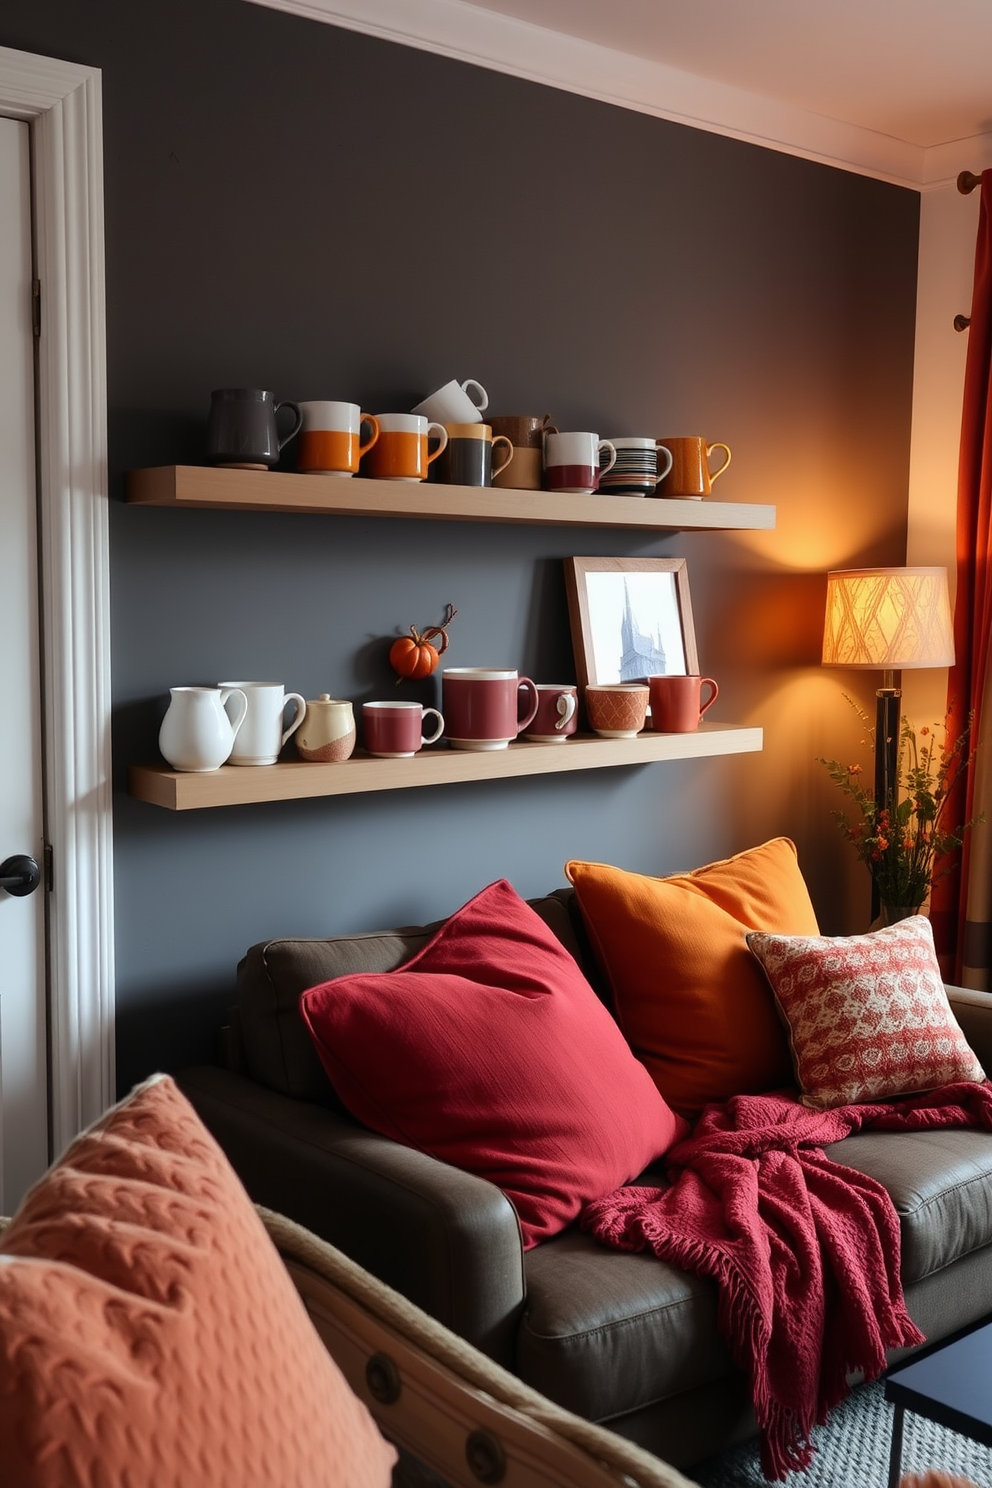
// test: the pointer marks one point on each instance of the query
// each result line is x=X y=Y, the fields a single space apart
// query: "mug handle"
x=714 y=473
x=502 y=439
x=373 y=423
x=523 y=723
x=439 y=432
x=664 y=450
x=296 y=427
x=432 y=738
x=604 y=444
x=567 y=704
x=470 y=382
x=240 y=707
x=708 y=682
x=298 y=716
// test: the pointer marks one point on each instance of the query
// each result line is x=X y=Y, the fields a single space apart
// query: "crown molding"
x=943 y=163
x=484 y=38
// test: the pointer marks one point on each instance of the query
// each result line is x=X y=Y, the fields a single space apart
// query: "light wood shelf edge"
x=277 y=490
x=295 y=780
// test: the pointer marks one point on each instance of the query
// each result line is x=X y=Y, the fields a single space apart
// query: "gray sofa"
x=624 y=1340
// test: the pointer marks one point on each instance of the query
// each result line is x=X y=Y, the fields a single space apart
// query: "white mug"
x=262 y=735
x=572 y=461
x=454 y=404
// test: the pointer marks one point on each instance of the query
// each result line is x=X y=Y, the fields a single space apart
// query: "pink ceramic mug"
x=482 y=706
x=394 y=730
x=676 y=702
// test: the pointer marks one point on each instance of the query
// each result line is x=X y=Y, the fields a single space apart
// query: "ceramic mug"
x=572 y=461
x=690 y=478
x=327 y=736
x=555 y=720
x=241 y=428
x=402 y=452
x=455 y=404
x=262 y=734
x=331 y=437
x=395 y=730
x=640 y=465
x=467 y=459
x=484 y=707
x=676 y=702
x=617 y=710
x=526 y=433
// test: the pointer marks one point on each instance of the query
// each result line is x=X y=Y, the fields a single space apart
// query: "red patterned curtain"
x=961 y=907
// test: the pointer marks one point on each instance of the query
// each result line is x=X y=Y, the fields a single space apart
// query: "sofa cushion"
x=691 y=1001
x=149 y=1333
x=868 y=1016
x=490 y=1051
x=274 y=973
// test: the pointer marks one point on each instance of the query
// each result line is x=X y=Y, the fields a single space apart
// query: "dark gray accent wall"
x=299 y=207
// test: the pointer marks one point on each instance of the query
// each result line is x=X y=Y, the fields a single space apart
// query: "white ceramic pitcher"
x=196 y=734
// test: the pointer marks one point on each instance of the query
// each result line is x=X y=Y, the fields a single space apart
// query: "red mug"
x=676 y=702
x=485 y=707
x=394 y=730
x=555 y=719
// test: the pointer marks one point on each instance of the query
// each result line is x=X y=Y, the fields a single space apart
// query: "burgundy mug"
x=485 y=707
x=676 y=702
x=555 y=719
x=394 y=730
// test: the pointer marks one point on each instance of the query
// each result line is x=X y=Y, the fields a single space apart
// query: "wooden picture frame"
x=630 y=619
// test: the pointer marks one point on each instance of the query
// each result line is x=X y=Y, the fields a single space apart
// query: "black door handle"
x=19 y=875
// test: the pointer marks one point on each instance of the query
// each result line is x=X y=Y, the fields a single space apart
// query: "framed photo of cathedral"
x=630 y=619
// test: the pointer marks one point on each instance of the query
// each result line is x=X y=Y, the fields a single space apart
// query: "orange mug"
x=676 y=702
x=690 y=478
x=330 y=441
x=402 y=452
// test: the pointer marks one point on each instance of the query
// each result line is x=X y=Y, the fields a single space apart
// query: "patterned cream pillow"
x=868 y=1016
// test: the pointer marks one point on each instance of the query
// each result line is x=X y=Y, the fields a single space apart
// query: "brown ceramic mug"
x=525 y=432
x=676 y=702
x=616 y=710
x=690 y=477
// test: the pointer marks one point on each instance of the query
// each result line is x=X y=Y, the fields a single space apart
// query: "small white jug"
x=196 y=734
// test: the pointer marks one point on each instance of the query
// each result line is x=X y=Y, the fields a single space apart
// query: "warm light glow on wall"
x=888 y=618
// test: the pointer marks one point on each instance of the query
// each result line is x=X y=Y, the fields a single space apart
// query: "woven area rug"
x=852 y=1451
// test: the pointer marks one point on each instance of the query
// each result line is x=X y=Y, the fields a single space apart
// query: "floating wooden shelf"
x=276 y=490
x=294 y=780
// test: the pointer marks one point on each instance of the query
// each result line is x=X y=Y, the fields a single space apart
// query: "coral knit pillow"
x=149 y=1333
x=867 y=1014
x=692 y=1003
x=490 y=1051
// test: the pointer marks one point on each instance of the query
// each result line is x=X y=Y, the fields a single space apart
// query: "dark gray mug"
x=241 y=428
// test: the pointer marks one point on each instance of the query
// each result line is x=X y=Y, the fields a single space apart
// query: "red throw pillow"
x=867 y=1015
x=490 y=1051
x=150 y=1333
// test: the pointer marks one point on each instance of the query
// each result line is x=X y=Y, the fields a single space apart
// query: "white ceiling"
x=919 y=71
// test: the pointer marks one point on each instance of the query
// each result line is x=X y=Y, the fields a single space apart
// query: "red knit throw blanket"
x=805 y=1251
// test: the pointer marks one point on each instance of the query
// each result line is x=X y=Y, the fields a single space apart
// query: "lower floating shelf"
x=295 y=780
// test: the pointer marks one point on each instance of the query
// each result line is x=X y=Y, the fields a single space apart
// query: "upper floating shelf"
x=276 y=490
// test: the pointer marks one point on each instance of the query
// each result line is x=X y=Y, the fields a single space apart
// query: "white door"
x=23 y=1002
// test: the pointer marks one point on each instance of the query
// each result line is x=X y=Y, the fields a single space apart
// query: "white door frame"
x=62 y=103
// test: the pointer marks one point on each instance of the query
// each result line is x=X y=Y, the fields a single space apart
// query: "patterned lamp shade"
x=889 y=618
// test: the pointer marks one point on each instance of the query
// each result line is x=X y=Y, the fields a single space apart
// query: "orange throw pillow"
x=149 y=1332
x=688 y=995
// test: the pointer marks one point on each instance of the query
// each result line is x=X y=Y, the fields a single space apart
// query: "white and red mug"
x=572 y=461
x=395 y=730
x=486 y=707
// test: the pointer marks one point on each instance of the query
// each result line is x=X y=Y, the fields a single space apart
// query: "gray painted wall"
x=299 y=207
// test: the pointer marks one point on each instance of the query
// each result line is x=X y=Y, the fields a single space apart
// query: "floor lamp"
x=889 y=620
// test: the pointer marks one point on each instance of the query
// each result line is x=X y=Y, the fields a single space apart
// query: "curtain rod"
x=967 y=181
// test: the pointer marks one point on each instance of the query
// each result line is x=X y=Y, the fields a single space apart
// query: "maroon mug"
x=485 y=707
x=394 y=730
x=676 y=702
x=555 y=719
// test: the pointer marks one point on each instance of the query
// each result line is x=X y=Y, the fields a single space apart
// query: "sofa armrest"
x=446 y=1239
x=973 y=1011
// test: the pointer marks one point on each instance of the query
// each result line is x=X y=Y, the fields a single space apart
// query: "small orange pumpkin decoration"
x=416 y=655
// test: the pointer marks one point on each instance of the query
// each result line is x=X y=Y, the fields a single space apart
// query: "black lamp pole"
x=887 y=701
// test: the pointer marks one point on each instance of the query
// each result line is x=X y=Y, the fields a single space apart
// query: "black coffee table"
x=952 y=1386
